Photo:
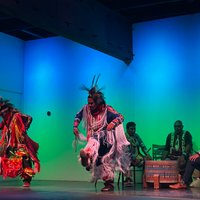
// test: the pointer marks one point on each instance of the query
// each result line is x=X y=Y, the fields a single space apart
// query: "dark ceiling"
x=144 y=10
x=27 y=19
x=133 y=10
x=21 y=29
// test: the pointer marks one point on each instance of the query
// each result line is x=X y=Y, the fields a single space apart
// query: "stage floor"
x=85 y=190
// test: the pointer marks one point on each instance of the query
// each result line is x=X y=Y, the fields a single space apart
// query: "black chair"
x=134 y=171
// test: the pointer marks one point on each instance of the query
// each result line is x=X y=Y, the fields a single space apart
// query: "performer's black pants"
x=190 y=167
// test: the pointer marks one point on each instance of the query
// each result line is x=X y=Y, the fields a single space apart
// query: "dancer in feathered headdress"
x=106 y=148
x=18 y=150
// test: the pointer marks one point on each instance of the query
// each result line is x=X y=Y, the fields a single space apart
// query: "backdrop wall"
x=11 y=66
x=160 y=86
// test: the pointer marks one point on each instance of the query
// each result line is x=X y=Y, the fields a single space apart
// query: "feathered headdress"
x=5 y=105
x=94 y=92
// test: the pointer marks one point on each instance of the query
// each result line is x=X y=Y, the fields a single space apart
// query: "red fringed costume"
x=18 y=152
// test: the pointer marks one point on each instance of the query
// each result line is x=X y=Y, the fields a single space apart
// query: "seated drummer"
x=136 y=143
x=178 y=146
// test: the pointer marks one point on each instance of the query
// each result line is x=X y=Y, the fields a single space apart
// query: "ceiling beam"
x=84 y=21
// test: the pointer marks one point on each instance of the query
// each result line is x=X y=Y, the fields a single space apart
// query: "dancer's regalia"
x=107 y=147
x=18 y=152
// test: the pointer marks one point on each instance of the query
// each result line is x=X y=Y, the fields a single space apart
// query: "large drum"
x=160 y=172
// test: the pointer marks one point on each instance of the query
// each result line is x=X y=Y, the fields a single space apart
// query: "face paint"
x=91 y=104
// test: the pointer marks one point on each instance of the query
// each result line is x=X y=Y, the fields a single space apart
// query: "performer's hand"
x=76 y=132
x=22 y=138
x=110 y=126
x=194 y=157
x=36 y=167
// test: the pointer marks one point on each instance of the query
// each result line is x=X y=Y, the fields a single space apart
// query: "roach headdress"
x=5 y=105
x=94 y=92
